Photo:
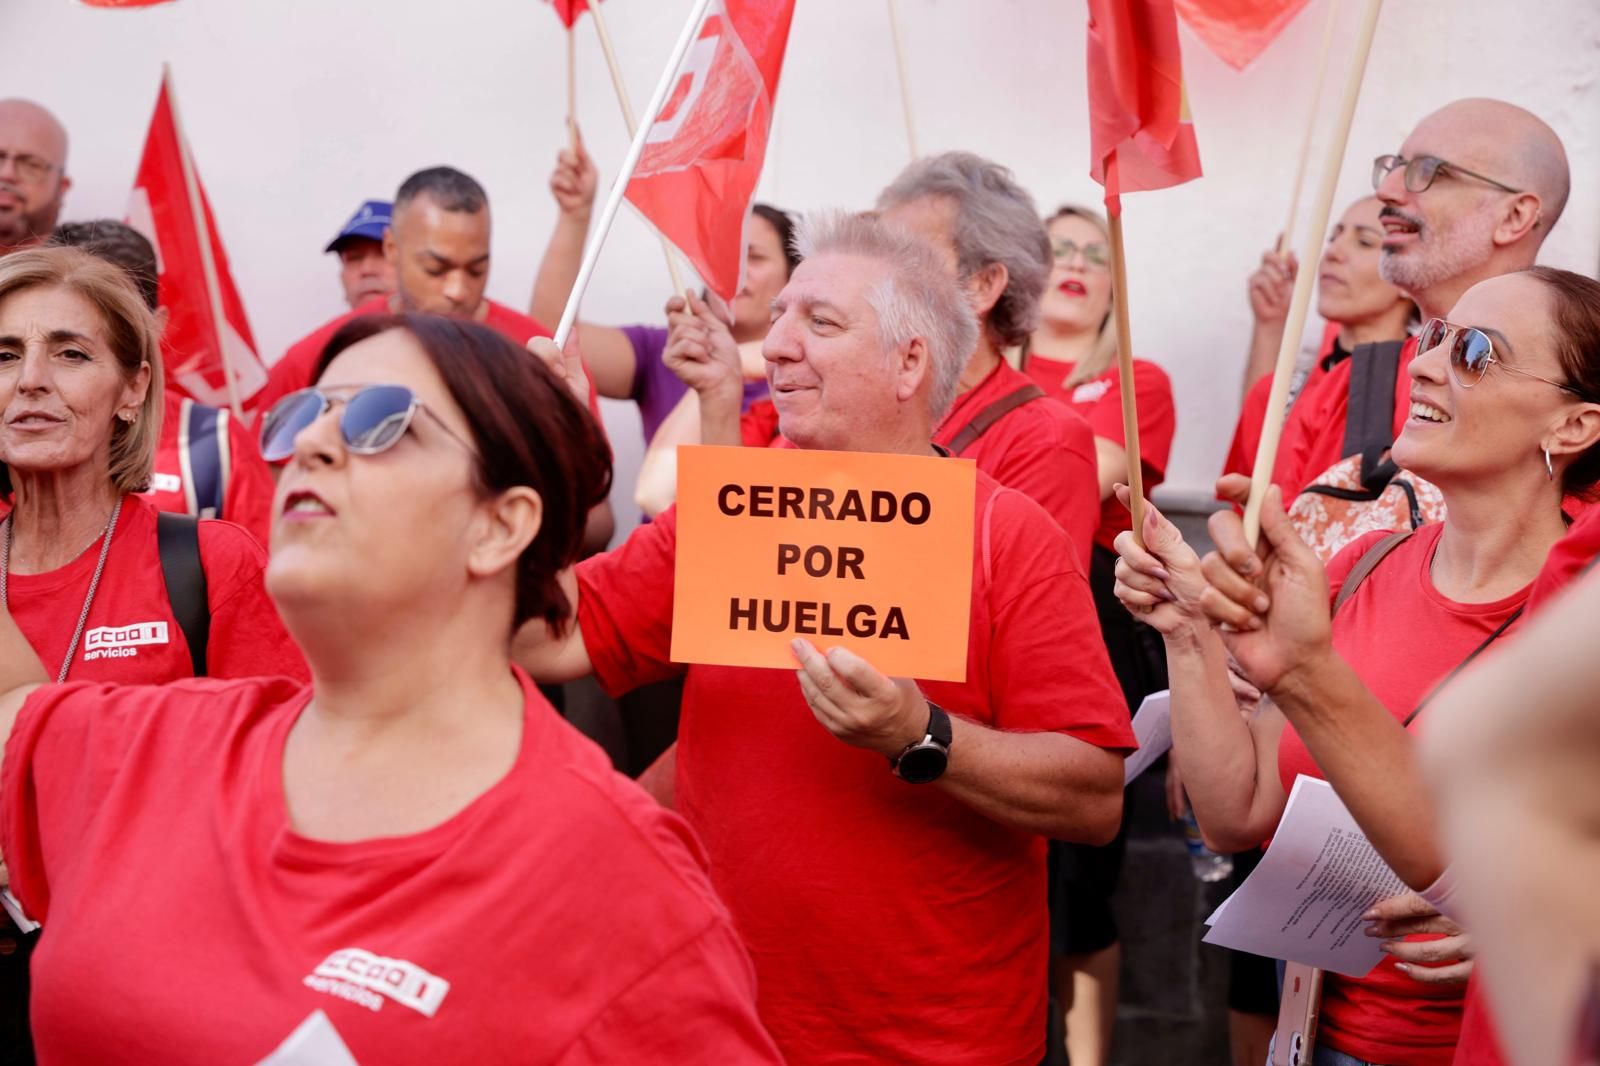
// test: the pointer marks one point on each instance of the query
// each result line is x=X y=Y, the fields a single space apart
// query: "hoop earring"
x=1549 y=469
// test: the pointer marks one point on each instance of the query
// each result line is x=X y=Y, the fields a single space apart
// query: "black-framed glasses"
x=1094 y=253
x=29 y=166
x=1421 y=171
x=1472 y=354
x=374 y=419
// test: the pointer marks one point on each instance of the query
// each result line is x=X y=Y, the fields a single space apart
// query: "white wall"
x=298 y=109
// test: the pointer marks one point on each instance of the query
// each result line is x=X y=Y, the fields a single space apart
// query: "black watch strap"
x=939 y=724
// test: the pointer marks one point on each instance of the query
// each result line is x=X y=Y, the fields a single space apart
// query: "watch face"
x=921 y=765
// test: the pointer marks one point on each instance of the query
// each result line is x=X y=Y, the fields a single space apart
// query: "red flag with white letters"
x=704 y=153
x=196 y=342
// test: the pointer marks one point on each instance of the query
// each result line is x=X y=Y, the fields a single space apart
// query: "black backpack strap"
x=987 y=417
x=202 y=449
x=1367 y=564
x=178 y=542
x=1369 y=421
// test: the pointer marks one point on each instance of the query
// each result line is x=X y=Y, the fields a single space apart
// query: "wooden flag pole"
x=905 y=84
x=1288 y=351
x=1286 y=238
x=619 y=187
x=632 y=124
x=208 y=264
x=572 y=88
x=1130 y=410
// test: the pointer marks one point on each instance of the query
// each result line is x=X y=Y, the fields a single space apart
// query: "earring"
x=1548 y=468
x=126 y=417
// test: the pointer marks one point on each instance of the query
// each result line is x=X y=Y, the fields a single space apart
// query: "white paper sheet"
x=314 y=1043
x=1304 y=902
x=1152 y=725
x=13 y=908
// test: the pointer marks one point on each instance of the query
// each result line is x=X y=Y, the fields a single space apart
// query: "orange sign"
x=859 y=550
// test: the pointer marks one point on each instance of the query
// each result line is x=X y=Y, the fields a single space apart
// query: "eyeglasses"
x=1472 y=353
x=374 y=419
x=29 y=166
x=1094 y=253
x=1421 y=171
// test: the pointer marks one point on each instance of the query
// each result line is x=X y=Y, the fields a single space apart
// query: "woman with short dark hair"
x=412 y=858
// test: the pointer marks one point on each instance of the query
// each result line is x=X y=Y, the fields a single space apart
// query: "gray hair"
x=917 y=297
x=996 y=222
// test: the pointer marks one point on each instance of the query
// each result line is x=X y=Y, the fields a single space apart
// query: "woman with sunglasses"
x=1505 y=416
x=412 y=858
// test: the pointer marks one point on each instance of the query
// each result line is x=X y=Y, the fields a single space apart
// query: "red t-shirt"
x=247 y=481
x=1253 y=413
x=758 y=426
x=1042 y=449
x=1100 y=403
x=562 y=917
x=888 y=922
x=132 y=637
x=1387 y=1017
x=294 y=370
x=1313 y=435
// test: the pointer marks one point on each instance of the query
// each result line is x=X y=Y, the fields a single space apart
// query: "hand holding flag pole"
x=619 y=187
x=1286 y=238
x=1322 y=209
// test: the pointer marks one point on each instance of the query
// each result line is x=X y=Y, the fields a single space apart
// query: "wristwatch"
x=925 y=760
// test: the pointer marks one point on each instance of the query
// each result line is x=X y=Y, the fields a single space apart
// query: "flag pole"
x=632 y=123
x=619 y=187
x=1287 y=237
x=1321 y=210
x=1130 y=409
x=208 y=265
x=572 y=88
x=905 y=84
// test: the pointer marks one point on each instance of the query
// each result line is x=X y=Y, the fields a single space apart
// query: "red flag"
x=194 y=343
x=1238 y=30
x=1140 y=133
x=703 y=156
x=131 y=3
x=569 y=10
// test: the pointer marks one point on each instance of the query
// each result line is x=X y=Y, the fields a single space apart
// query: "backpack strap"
x=1367 y=564
x=178 y=543
x=203 y=455
x=987 y=417
x=1369 y=420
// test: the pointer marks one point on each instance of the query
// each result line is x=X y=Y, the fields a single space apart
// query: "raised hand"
x=565 y=364
x=701 y=350
x=1160 y=583
x=574 y=181
x=1271 y=602
x=1272 y=286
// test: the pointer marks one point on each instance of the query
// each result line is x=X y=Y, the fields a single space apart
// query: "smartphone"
x=1297 y=1016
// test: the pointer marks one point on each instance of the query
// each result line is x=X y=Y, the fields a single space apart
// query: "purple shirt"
x=656 y=389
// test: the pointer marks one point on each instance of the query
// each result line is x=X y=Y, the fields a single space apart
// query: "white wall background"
x=299 y=109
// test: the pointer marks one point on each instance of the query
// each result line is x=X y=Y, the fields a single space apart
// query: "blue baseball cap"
x=370 y=221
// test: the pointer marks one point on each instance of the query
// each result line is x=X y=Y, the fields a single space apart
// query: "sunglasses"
x=374 y=419
x=1472 y=353
x=1094 y=253
x=1421 y=171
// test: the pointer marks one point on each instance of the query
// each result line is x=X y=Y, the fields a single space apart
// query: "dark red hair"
x=528 y=429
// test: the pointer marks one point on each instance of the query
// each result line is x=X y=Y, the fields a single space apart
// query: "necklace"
x=94 y=583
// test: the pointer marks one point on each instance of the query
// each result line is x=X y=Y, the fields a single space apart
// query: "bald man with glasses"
x=33 y=175
x=1472 y=194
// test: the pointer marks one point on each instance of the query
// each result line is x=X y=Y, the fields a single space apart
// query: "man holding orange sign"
x=890 y=888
